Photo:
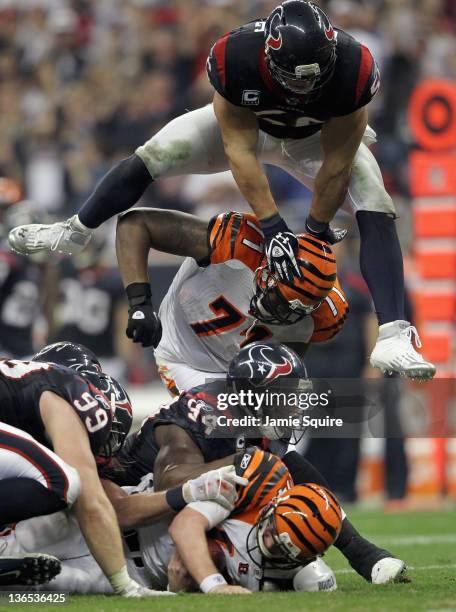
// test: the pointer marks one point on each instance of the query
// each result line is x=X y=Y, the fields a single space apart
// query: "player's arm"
x=239 y=128
x=94 y=512
x=218 y=486
x=340 y=140
x=179 y=458
x=188 y=531
x=170 y=231
x=138 y=231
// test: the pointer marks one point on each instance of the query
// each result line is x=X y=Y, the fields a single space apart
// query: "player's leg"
x=189 y=144
x=372 y=563
x=33 y=481
x=59 y=536
x=380 y=252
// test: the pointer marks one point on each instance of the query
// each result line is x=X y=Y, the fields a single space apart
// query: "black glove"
x=143 y=323
x=281 y=248
x=323 y=231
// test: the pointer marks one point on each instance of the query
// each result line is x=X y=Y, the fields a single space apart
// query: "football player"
x=233 y=542
x=174 y=444
x=224 y=295
x=292 y=91
x=23 y=281
x=292 y=527
x=54 y=422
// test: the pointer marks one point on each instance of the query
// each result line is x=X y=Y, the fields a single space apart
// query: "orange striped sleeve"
x=234 y=235
x=267 y=477
x=330 y=317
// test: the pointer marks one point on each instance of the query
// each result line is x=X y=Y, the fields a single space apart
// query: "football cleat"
x=28 y=569
x=394 y=352
x=388 y=570
x=69 y=236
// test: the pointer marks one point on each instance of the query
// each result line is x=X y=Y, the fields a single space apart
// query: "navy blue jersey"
x=237 y=70
x=23 y=382
x=19 y=303
x=187 y=411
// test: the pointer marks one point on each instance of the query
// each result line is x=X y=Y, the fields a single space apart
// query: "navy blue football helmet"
x=300 y=45
x=262 y=365
x=70 y=355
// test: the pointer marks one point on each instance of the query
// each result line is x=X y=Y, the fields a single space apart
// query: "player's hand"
x=217 y=485
x=229 y=589
x=323 y=231
x=281 y=247
x=144 y=325
x=281 y=252
x=179 y=578
x=134 y=590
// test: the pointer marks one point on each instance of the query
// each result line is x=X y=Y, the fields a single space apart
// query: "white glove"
x=217 y=485
x=135 y=590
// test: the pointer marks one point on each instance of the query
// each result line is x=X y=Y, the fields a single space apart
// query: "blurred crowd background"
x=84 y=82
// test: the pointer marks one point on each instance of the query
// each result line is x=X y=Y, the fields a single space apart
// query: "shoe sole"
x=31 y=569
x=414 y=373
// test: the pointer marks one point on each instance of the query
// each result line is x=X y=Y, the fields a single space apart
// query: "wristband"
x=120 y=580
x=175 y=499
x=138 y=294
x=273 y=225
x=316 y=226
x=212 y=581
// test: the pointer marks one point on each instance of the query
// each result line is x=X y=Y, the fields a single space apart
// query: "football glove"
x=281 y=248
x=144 y=326
x=217 y=485
x=323 y=231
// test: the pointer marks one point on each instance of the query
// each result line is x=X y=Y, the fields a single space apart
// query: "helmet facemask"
x=280 y=552
x=307 y=79
x=269 y=306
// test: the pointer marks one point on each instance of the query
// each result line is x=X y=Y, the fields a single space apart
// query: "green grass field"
x=426 y=541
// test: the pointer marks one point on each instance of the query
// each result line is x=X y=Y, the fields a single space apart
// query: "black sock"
x=22 y=498
x=117 y=191
x=303 y=471
x=381 y=264
x=359 y=552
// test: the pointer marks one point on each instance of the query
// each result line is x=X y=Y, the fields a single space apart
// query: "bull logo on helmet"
x=263 y=368
x=274 y=38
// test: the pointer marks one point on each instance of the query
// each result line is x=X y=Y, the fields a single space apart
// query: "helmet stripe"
x=336 y=503
x=298 y=534
x=318 y=245
x=324 y=257
x=307 y=265
x=305 y=520
x=316 y=511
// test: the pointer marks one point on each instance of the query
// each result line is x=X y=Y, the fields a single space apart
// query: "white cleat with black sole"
x=389 y=570
x=69 y=236
x=394 y=352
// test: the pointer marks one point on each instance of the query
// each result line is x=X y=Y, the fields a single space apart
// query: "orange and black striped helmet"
x=280 y=303
x=298 y=525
